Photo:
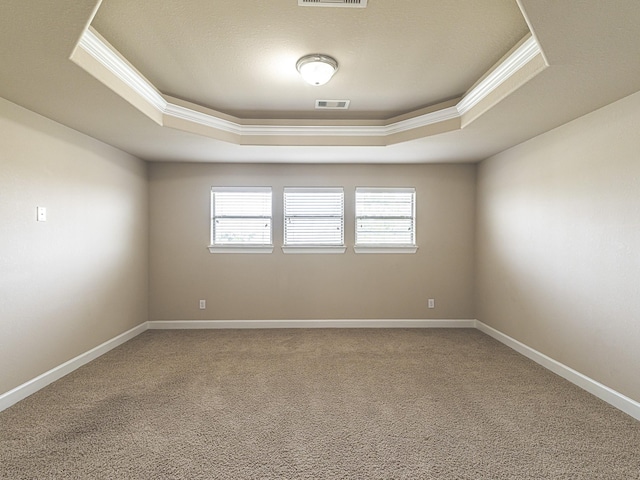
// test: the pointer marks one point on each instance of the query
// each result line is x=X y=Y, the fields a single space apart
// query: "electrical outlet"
x=41 y=214
x=432 y=303
x=203 y=304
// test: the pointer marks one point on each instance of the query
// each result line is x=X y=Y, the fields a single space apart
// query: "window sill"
x=386 y=249
x=240 y=249
x=331 y=249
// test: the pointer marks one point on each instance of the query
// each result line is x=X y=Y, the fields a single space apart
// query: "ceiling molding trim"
x=423 y=120
x=99 y=49
x=316 y=130
x=107 y=56
x=514 y=62
x=211 y=121
x=204 y=119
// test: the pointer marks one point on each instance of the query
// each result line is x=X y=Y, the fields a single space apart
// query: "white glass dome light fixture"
x=317 y=69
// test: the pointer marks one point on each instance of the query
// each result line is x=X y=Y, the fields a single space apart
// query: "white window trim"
x=255 y=248
x=314 y=249
x=337 y=249
x=390 y=247
x=240 y=249
x=385 y=249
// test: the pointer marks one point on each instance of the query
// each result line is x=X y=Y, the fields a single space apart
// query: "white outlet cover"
x=42 y=214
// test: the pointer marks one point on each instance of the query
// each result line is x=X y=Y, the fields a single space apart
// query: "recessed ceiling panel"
x=240 y=57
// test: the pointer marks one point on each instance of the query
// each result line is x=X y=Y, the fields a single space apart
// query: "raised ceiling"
x=428 y=81
x=239 y=57
x=407 y=99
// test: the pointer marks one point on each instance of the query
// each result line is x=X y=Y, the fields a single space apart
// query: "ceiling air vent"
x=332 y=104
x=333 y=3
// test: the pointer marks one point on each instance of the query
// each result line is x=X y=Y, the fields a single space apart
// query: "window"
x=241 y=220
x=385 y=220
x=313 y=220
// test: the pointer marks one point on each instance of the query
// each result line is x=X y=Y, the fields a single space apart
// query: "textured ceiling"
x=239 y=57
x=592 y=48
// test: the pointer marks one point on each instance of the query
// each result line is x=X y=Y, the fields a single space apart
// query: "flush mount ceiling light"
x=317 y=69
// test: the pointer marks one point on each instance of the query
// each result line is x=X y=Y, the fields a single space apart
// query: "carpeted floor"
x=316 y=404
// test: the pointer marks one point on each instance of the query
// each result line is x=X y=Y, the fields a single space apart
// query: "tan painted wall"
x=558 y=244
x=279 y=286
x=79 y=279
x=556 y=252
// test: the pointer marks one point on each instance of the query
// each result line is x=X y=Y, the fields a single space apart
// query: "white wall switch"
x=203 y=304
x=42 y=214
x=432 y=303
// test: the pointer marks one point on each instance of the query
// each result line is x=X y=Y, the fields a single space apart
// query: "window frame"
x=312 y=247
x=239 y=247
x=386 y=247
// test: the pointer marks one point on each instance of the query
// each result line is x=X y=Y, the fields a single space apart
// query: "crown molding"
x=290 y=129
x=424 y=120
x=315 y=130
x=200 y=118
x=191 y=115
x=96 y=46
x=520 y=57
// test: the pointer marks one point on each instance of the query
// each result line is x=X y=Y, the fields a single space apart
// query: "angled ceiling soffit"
x=95 y=55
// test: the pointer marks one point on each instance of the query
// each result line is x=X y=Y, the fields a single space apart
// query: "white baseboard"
x=22 y=391
x=242 y=324
x=621 y=402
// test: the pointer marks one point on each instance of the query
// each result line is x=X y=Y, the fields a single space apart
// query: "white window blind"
x=241 y=217
x=385 y=217
x=313 y=217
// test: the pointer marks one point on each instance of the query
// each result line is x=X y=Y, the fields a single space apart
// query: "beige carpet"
x=316 y=404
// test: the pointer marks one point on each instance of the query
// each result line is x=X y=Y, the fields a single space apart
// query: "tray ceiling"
x=249 y=92
x=215 y=81
x=239 y=57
